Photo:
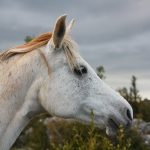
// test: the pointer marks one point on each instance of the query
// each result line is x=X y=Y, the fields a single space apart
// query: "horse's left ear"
x=69 y=27
x=59 y=31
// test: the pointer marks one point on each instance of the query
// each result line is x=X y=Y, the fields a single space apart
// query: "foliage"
x=133 y=93
x=34 y=137
x=28 y=39
x=141 y=107
x=85 y=137
x=82 y=137
x=101 y=72
x=71 y=135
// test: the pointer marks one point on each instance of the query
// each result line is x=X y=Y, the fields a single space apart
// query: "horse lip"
x=114 y=124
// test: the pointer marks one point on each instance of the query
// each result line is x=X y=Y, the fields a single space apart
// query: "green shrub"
x=70 y=135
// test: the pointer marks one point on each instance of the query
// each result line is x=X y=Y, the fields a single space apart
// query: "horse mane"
x=27 y=47
x=69 y=47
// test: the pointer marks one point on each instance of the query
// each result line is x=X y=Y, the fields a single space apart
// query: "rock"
x=143 y=128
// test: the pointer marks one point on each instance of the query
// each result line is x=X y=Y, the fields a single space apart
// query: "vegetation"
x=141 y=107
x=28 y=39
x=70 y=135
x=101 y=72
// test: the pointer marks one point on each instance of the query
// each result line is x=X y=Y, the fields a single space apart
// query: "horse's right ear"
x=59 y=31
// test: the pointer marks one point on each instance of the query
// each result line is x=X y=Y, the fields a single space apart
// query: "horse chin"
x=112 y=127
x=111 y=131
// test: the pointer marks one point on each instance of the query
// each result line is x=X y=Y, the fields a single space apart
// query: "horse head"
x=73 y=89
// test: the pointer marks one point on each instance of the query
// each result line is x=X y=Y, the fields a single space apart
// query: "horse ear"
x=69 y=27
x=59 y=31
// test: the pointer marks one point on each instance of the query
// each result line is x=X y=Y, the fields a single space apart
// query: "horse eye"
x=80 y=70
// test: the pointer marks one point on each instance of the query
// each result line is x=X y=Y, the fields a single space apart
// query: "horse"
x=48 y=74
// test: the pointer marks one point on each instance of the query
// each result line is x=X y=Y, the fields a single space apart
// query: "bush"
x=70 y=135
x=76 y=136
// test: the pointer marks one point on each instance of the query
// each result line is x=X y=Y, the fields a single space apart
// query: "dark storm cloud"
x=112 y=33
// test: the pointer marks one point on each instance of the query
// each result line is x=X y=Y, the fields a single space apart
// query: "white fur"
x=27 y=89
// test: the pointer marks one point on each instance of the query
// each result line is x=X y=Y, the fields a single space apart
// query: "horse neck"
x=16 y=77
x=21 y=80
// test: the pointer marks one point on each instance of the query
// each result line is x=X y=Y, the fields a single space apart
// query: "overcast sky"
x=112 y=33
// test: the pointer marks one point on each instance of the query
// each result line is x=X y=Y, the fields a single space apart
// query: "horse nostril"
x=129 y=114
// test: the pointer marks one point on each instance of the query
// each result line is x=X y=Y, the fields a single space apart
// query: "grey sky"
x=112 y=33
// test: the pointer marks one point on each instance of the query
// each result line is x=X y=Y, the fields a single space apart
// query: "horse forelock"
x=70 y=48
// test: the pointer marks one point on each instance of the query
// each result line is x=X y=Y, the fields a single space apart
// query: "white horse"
x=48 y=74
